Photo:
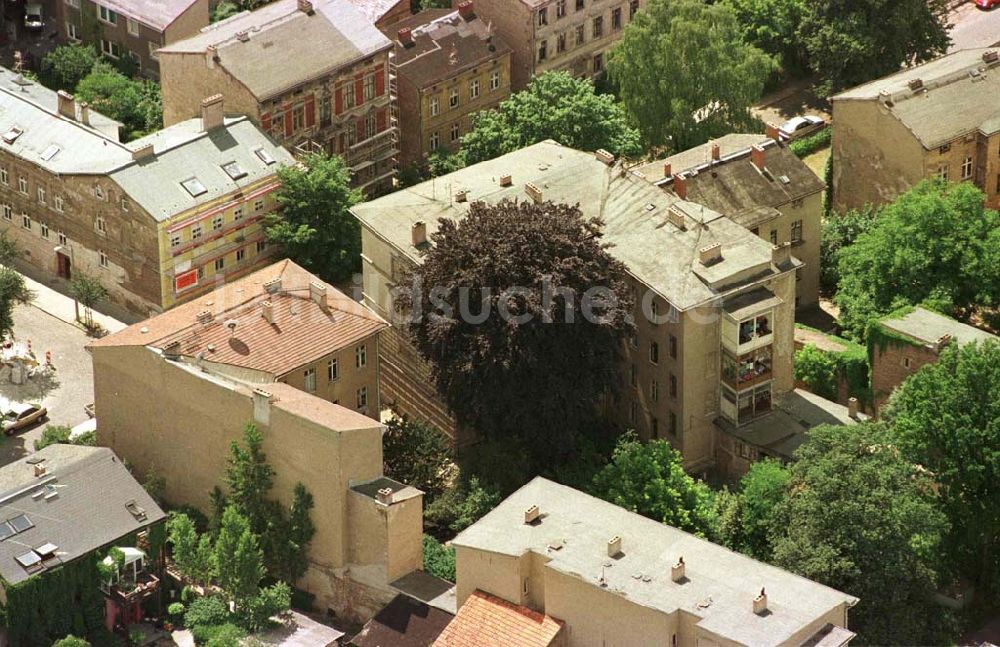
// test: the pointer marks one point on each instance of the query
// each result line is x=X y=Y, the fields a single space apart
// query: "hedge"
x=812 y=143
x=822 y=370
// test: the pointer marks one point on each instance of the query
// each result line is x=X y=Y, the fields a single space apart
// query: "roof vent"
x=852 y=408
x=710 y=254
x=506 y=180
x=784 y=179
x=676 y=218
x=760 y=603
x=66 y=104
x=267 y=311
x=915 y=84
x=135 y=510
x=273 y=286
x=604 y=156
x=533 y=192
x=462 y=196
x=615 y=546
x=418 y=233
x=677 y=570
x=204 y=316
x=40 y=469
x=531 y=515
x=384 y=496
x=243 y=36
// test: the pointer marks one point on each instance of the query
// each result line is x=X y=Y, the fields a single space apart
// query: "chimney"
x=262 y=406
x=666 y=169
x=418 y=233
x=533 y=192
x=211 y=56
x=915 y=84
x=680 y=186
x=40 y=469
x=384 y=496
x=273 y=286
x=604 y=156
x=677 y=570
x=267 y=311
x=716 y=153
x=462 y=196
x=212 y=115
x=757 y=157
x=615 y=546
x=204 y=316
x=85 y=113
x=991 y=56
x=852 y=408
x=66 y=104
x=781 y=253
x=772 y=132
x=317 y=292
x=466 y=10
x=531 y=514
x=943 y=341
x=760 y=603
x=405 y=36
x=142 y=152
x=305 y=7
x=172 y=350
x=506 y=180
x=710 y=253
x=676 y=218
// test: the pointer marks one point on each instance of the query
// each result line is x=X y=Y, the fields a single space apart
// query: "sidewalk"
x=60 y=306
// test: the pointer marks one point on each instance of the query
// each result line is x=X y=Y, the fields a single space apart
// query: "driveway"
x=973 y=27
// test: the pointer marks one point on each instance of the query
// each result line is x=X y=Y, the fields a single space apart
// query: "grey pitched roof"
x=693 y=157
x=283 y=47
x=957 y=96
x=635 y=213
x=158 y=14
x=720 y=585
x=87 y=510
x=185 y=151
x=927 y=326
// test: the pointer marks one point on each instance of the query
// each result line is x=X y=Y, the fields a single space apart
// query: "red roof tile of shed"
x=488 y=621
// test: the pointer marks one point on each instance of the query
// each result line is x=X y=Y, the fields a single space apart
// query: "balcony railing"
x=128 y=592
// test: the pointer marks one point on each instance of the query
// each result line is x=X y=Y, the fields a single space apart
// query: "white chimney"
x=531 y=514
x=533 y=192
x=614 y=546
x=418 y=233
x=142 y=152
x=306 y=7
x=204 y=316
x=212 y=114
x=760 y=603
x=852 y=408
x=267 y=311
x=676 y=218
x=85 y=113
x=710 y=253
x=384 y=496
x=273 y=286
x=677 y=570
x=506 y=180
x=262 y=406
x=317 y=292
x=604 y=156
x=66 y=104
x=462 y=196
x=40 y=469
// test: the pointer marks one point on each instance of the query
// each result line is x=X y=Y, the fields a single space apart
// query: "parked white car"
x=801 y=127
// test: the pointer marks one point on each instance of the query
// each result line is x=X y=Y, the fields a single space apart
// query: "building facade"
x=342 y=102
x=131 y=28
x=613 y=577
x=157 y=220
x=449 y=66
x=382 y=13
x=939 y=119
x=570 y=35
x=714 y=303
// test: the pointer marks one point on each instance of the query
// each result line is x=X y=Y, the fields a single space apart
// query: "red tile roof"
x=303 y=330
x=488 y=621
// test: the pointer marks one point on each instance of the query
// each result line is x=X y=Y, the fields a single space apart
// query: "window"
x=474 y=89
x=998 y=183
x=101 y=225
x=234 y=170
x=7 y=212
x=797 y=231
x=906 y=362
x=325 y=111
x=672 y=421
x=435 y=106
x=241 y=255
x=237 y=214
x=654 y=391
x=107 y=15
x=258 y=205
x=942 y=172
x=654 y=352
x=673 y=347
x=598 y=29
x=435 y=141
x=331 y=370
x=41 y=195
x=216 y=223
x=194 y=187
x=598 y=62
x=45 y=231
x=368 y=86
x=363 y=397
x=774 y=236
x=22 y=185
x=616 y=18
x=98 y=193
x=62 y=238
x=633 y=375
x=673 y=385
x=361 y=356
x=102 y=258
x=261 y=246
x=543 y=50
x=560 y=43
x=310 y=380
x=175 y=240
x=220 y=264
x=967 y=168
x=58 y=203
x=455 y=132
x=453 y=98
x=579 y=34
x=110 y=48
x=560 y=9
x=654 y=427
x=298 y=118
x=124 y=204
x=3 y=176
x=494 y=80
x=71 y=32
x=579 y=5
x=633 y=8
x=632 y=408
x=196 y=232
x=26 y=221
x=133 y=27
x=370 y=126
x=543 y=16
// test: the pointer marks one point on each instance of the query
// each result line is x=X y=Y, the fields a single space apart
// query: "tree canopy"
x=761 y=489
x=521 y=313
x=686 y=74
x=134 y=103
x=649 y=478
x=935 y=244
x=773 y=25
x=555 y=106
x=418 y=454
x=13 y=292
x=859 y=517
x=851 y=42
x=313 y=224
x=64 y=67
x=946 y=417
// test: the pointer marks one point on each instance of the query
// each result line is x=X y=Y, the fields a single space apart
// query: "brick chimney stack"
x=757 y=157
x=405 y=36
x=666 y=169
x=212 y=114
x=306 y=7
x=66 y=104
x=716 y=153
x=772 y=131
x=680 y=186
x=466 y=10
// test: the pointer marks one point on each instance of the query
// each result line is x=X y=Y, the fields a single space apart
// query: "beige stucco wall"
x=344 y=389
x=187 y=79
x=493 y=573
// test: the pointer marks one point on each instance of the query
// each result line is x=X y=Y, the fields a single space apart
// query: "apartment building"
x=131 y=28
x=613 y=577
x=570 y=35
x=760 y=184
x=906 y=342
x=714 y=303
x=175 y=391
x=449 y=67
x=939 y=119
x=157 y=220
x=315 y=76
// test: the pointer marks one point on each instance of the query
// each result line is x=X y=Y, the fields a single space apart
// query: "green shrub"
x=176 y=612
x=812 y=143
x=71 y=641
x=418 y=454
x=226 y=635
x=53 y=434
x=822 y=370
x=439 y=560
x=462 y=506
x=211 y=610
x=256 y=614
x=818 y=370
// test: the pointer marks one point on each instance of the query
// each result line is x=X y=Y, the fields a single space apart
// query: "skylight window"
x=194 y=186
x=234 y=170
x=28 y=559
x=20 y=523
x=264 y=156
x=6 y=531
x=11 y=135
x=50 y=152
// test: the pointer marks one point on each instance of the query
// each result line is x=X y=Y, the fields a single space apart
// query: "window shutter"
x=380 y=121
x=265 y=122
x=288 y=120
x=359 y=88
x=340 y=100
x=379 y=82
x=310 y=109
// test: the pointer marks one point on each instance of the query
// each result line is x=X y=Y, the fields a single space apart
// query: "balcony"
x=131 y=590
x=748 y=321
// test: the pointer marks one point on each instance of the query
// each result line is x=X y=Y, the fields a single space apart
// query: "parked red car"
x=987 y=4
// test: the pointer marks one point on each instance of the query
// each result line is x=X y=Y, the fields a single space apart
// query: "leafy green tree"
x=136 y=104
x=289 y=562
x=88 y=291
x=250 y=479
x=53 y=434
x=840 y=231
x=418 y=454
x=934 y=244
x=13 y=292
x=206 y=611
x=239 y=561
x=268 y=602
x=649 y=478
x=460 y=507
x=65 y=66
x=685 y=73
x=439 y=560
x=859 y=517
x=71 y=641
x=226 y=635
x=818 y=370
x=946 y=417
x=192 y=554
x=556 y=106
x=10 y=251
x=498 y=333
x=762 y=488
x=313 y=224
x=223 y=10
x=850 y=42
x=773 y=25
